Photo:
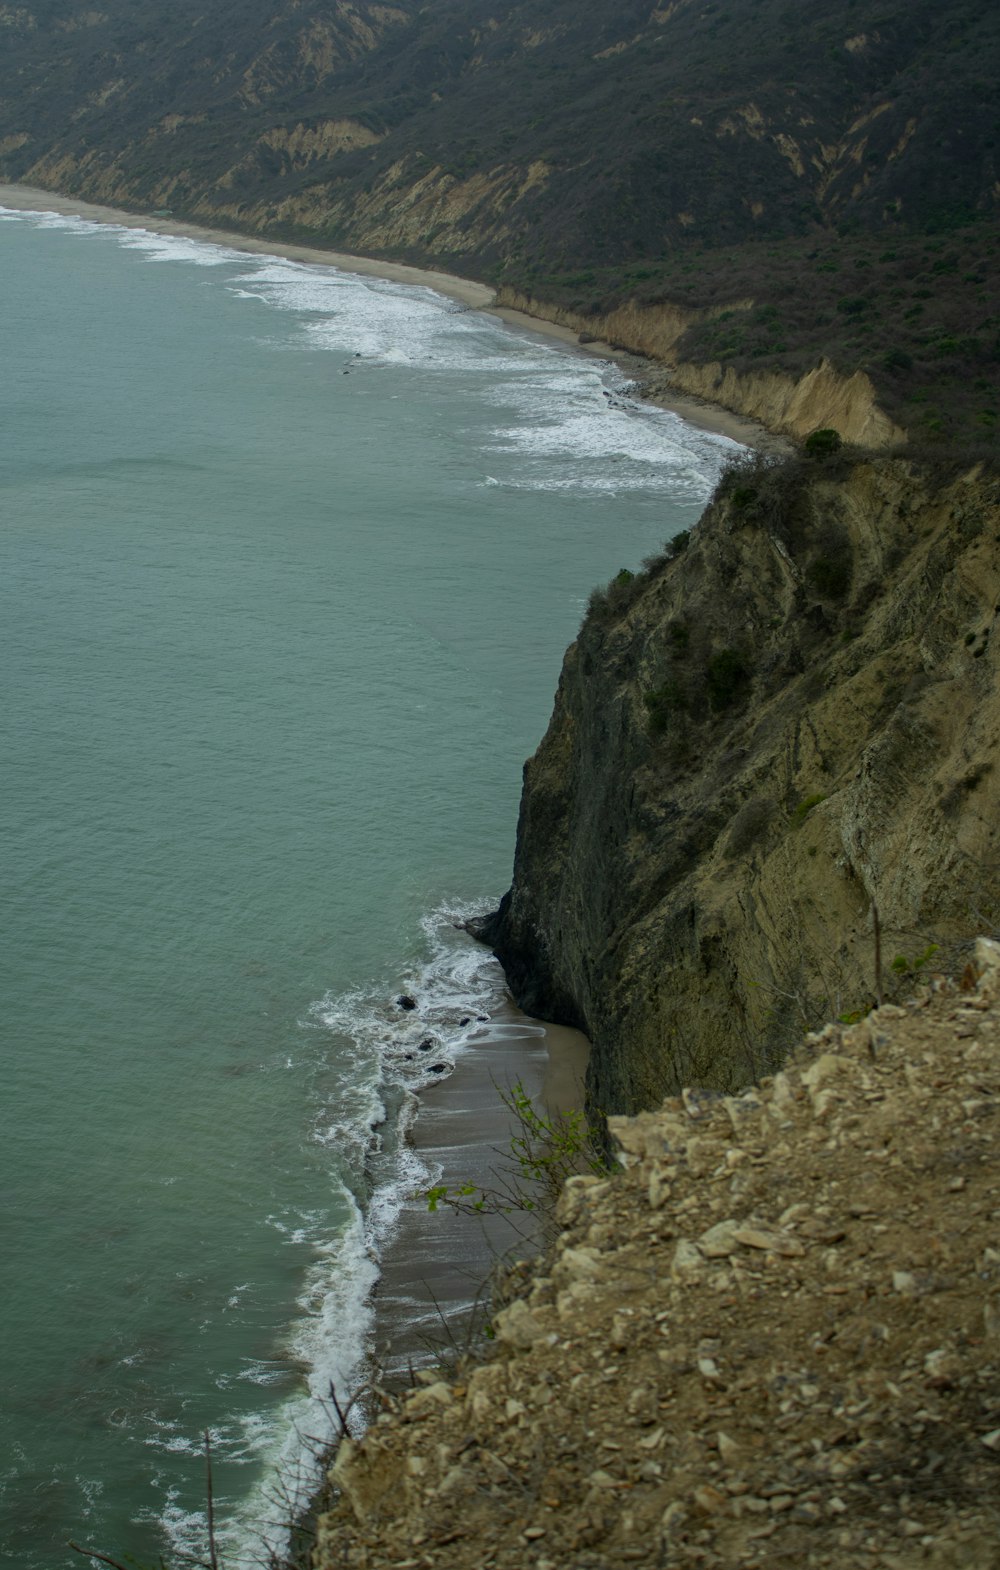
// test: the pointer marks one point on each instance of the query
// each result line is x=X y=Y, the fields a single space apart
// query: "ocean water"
x=288 y=561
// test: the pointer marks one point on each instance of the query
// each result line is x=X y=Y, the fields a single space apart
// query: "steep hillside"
x=773 y=1340
x=559 y=133
x=780 y=166
x=757 y=745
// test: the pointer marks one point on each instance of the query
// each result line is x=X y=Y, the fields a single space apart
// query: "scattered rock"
x=790 y=1359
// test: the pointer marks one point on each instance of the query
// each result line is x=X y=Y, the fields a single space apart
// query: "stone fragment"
x=518 y=1327
x=577 y=1264
x=657 y=1190
x=904 y=1282
x=420 y=1402
x=729 y=1450
x=991 y=1440
x=709 y=1500
x=770 y=1239
x=688 y=1263
x=721 y=1240
x=601 y=1479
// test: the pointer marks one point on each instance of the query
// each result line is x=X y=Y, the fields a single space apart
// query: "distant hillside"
x=706 y=150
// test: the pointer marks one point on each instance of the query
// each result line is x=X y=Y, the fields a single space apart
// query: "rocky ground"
x=773 y=1339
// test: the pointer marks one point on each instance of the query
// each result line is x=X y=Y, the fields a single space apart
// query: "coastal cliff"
x=792 y=405
x=764 y=746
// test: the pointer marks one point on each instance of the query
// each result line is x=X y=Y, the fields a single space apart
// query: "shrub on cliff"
x=823 y=443
x=727 y=679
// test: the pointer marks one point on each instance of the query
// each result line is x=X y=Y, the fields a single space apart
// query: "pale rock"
x=673 y=1516
x=622 y=1332
x=577 y=1264
x=991 y=1440
x=601 y=1479
x=657 y=1190
x=420 y=1402
x=904 y=1282
x=988 y=965
x=729 y=1450
x=720 y=1241
x=568 y=1303
x=688 y=1264
x=709 y=1500
x=704 y=1156
x=942 y=1365
x=783 y=1093
x=641 y=1403
x=518 y=1327
x=455 y=1481
x=770 y=1239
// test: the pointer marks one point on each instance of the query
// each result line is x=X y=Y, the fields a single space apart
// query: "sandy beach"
x=477 y=296
x=439 y=1262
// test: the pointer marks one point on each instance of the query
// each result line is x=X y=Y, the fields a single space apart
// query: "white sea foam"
x=571 y=426
x=177 y=248
x=378 y=1064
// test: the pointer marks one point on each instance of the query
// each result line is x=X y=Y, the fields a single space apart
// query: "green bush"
x=728 y=677
x=821 y=443
x=806 y=806
x=679 y=544
x=662 y=703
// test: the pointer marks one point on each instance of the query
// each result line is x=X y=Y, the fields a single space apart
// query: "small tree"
x=822 y=443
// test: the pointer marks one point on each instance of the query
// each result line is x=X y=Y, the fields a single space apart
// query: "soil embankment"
x=774 y=1338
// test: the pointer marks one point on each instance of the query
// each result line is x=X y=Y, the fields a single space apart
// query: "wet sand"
x=477 y=296
x=439 y=1263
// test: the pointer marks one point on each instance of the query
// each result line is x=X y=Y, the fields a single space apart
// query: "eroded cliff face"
x=754 y=746
x=792 y=405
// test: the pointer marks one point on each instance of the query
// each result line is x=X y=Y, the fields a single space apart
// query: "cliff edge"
x=773 y=1339
x=768 y=792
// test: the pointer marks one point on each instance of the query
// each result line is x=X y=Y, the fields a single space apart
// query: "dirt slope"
x=773 y=1339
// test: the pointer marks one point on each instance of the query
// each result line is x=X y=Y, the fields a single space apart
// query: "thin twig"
x=92 y=1553
x=213 y=1557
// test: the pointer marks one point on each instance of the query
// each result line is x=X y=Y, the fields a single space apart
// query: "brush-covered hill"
x=799 y=179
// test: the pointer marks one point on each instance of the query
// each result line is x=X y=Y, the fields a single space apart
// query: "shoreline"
x=468 y=292
x=436 y=1266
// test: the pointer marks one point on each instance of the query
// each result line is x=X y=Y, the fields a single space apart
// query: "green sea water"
x=288 y=561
